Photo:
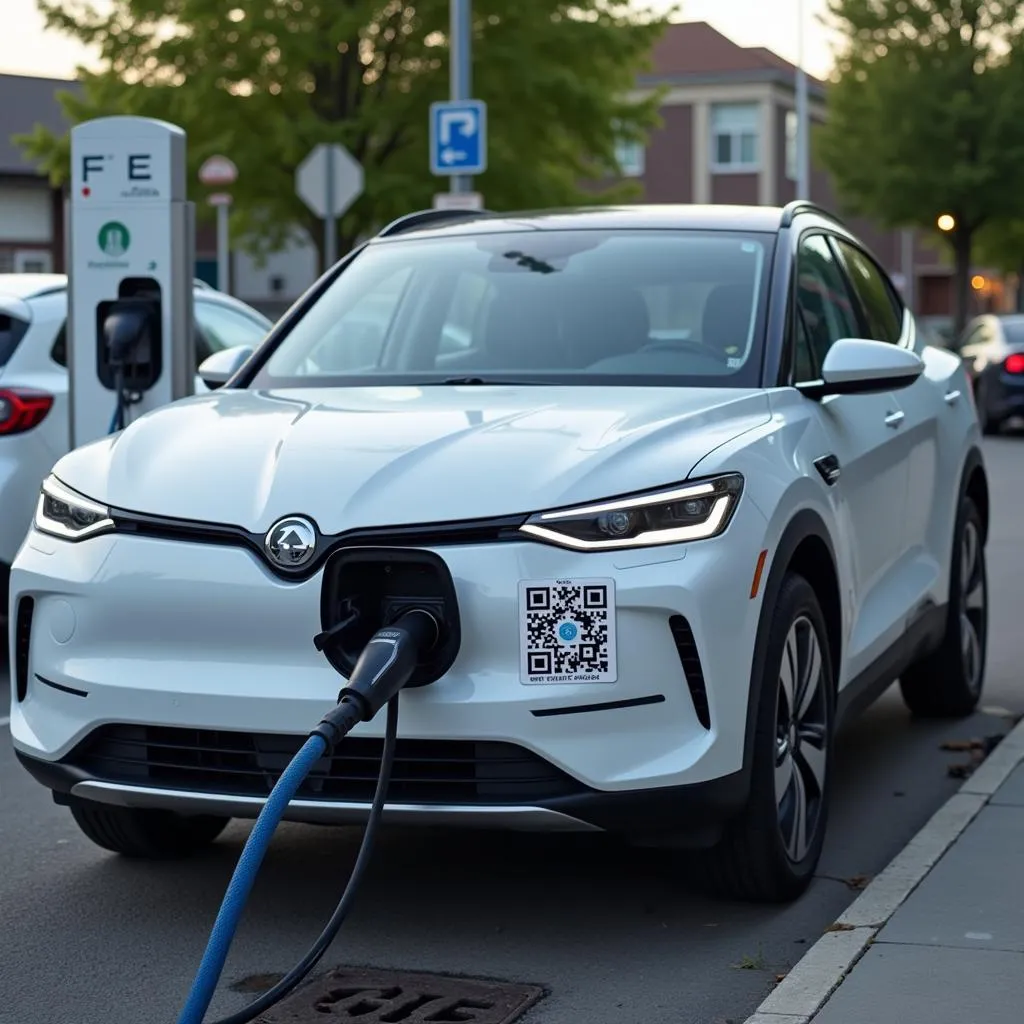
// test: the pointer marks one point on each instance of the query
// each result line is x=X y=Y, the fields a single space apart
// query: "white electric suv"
x=34 y=429
x=691 y=490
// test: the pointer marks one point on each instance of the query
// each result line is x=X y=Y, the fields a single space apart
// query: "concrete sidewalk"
x=938 y=936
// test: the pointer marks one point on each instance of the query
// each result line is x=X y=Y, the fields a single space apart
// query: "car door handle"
x=952 y=397
x=894 y=419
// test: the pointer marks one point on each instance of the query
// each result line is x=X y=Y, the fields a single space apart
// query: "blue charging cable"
x=242 y=880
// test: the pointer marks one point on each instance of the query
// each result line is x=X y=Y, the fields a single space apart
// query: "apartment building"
x=728 y=135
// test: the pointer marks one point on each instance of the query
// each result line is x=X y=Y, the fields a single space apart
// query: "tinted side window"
x=804 y=369
x=12 y=330
x=59 y=352
x=885 y=319
x=822 y=300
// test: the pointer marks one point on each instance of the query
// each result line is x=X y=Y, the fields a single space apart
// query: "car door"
x=857 y=437
x=931 y=458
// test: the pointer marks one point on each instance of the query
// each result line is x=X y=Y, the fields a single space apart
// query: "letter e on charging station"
x=131 y=239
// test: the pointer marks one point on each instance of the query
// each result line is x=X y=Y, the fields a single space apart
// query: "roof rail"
x=790 y=210
x=422 y=218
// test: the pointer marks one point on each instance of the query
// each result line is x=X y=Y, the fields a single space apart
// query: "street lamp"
x=946 y=222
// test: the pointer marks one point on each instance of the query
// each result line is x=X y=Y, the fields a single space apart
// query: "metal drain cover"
x=401 y=997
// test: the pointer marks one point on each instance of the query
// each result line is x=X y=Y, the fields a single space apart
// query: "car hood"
x=359 y=457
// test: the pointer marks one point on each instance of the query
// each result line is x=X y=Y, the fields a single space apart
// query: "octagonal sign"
x=329 y=180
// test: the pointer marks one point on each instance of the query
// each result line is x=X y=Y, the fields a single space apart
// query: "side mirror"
x=216 y=370
x=856 y=366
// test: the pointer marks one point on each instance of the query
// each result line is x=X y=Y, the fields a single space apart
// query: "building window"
x=791 y=142
x=734 y=136
x=629 y=155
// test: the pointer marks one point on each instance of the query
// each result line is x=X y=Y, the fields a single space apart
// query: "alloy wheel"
x=972 y=606
x=801 y=739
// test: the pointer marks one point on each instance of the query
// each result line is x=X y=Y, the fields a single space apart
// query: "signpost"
x=458 y=128
x=458 y=201
x=329 y=181
x=219 y=171
x=458 y=141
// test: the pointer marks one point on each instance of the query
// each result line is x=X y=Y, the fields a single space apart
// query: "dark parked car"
x=992 y=348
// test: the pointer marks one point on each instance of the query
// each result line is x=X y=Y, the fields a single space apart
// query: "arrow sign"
x=458 y=137
x=463 y=120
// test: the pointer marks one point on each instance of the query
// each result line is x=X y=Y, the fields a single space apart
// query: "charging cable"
x=383 y=668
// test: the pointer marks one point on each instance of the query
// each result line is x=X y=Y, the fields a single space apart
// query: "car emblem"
x=291 y=543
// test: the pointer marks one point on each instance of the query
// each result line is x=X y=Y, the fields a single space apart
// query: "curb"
x=820 y=971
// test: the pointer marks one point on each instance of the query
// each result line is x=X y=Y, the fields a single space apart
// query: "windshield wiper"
x=481 y=381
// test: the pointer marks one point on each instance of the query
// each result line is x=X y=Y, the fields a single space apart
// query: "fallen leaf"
x=963 y=745
x=858 y=881
x=839 y=927
x=778 y=978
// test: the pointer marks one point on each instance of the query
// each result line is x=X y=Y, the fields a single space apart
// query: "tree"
x=263 y=81
x=1001 y=246
x=926 y=117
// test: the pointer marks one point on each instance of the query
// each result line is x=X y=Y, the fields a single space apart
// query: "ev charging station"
x=131 y=254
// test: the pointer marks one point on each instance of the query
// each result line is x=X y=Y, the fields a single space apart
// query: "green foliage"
x=926 y=114
x=1001 y=245
x=263 y=81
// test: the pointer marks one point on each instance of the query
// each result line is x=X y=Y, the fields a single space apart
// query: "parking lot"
x=612 y=935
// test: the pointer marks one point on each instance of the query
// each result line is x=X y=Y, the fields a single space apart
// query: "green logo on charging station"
x=114 y=239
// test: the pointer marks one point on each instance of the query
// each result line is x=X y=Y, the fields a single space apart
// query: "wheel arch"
x=805 y=547
x=974 y=485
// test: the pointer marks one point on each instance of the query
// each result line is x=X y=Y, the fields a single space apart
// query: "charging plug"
x=383 y=668
x=125 y=331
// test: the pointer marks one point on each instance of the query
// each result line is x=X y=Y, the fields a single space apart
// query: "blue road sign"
x=458 y=137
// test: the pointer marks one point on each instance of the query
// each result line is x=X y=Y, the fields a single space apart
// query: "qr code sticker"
x=567 y=631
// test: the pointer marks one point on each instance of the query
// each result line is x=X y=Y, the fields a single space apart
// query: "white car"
x=34 y=428
x=691 y=492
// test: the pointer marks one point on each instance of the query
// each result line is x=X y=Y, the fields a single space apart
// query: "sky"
x=28 y=48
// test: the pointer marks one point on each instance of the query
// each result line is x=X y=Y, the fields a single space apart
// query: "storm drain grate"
x=401 y=997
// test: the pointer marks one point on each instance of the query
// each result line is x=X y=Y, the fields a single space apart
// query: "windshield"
x=572 y=307
x=1014 y=331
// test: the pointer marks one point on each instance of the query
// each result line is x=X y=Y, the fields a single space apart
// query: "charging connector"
x=385 y=665
x=129 y=359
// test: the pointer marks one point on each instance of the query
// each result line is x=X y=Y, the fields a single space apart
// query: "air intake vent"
x=22 y=638
x=690 y=660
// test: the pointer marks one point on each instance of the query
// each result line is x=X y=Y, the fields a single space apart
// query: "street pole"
x=460 y=70
x=330 y=223
x=223 y=281
x=803 y=162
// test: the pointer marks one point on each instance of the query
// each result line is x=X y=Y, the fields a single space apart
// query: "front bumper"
x=159 y=673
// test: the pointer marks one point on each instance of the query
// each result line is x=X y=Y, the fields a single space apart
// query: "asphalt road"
x=86 y=938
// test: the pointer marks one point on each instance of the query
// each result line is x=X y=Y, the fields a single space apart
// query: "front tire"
x=769 y=854
x=948 y=682
x=145 y=834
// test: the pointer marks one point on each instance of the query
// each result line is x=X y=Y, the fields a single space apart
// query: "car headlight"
x=689 y=512
x=63 y=513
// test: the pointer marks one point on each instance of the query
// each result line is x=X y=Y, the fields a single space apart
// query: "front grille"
x=22 y=643
x=689 y=658
x=247 y=764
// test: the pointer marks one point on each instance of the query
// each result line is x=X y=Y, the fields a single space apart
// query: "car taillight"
x=21 y=409
x=1014 y=363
